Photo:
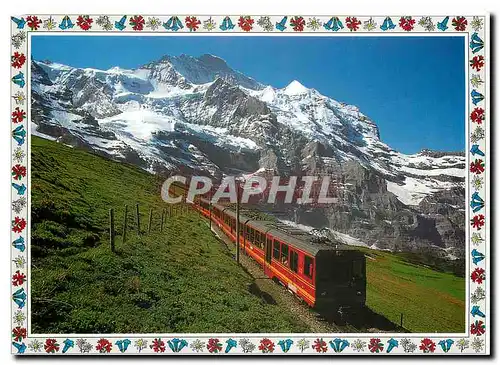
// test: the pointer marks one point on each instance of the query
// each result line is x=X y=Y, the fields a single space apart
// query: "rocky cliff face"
x=199 y=115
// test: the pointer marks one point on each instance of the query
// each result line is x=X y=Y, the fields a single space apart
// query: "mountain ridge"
x=197 y=114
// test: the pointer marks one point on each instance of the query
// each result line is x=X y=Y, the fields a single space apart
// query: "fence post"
x=112 y=230
x=401 y=320
x=138 y=220
x=124 y=235
x=150 y=220
x=162 y=219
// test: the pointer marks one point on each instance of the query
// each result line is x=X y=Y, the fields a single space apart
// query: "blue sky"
x=412 y=87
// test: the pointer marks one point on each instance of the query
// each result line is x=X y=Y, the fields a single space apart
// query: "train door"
x=268 y=256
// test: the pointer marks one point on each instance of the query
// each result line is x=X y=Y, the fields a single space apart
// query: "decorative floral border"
x=472 y=27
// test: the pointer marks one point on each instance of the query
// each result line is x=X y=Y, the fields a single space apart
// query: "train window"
x=357 y=269
x=250 y=234
x=276 y=250
x=294 y=261
x=308 y=266
x=258 y=239
x=284 y=254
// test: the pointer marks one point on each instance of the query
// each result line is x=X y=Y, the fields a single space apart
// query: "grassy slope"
x=179 y=281
x=431 y=301
x=171 y=282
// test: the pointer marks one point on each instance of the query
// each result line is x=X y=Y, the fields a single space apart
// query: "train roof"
x=218 y=206
x=260 y=225
x=294 y=236
x=232 y=214
x=305 y=242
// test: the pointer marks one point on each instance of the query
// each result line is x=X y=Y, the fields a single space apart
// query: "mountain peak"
x=295 y=88
x=200 y=70
x=213 y=62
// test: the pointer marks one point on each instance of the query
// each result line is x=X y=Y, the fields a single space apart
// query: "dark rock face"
x=367 y=211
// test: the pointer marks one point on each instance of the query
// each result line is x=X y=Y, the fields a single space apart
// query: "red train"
x=331 y=278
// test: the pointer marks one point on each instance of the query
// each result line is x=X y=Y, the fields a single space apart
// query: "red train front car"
x=330 y=278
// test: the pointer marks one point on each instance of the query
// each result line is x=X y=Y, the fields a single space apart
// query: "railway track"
x=274 y=293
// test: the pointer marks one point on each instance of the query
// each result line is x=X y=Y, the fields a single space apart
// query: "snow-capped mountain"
x=197 y=113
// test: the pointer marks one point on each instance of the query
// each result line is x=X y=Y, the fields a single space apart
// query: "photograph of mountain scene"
x=107 y=129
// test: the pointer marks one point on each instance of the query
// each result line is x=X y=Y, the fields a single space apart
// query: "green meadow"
x=181 y=279
x=430 y=300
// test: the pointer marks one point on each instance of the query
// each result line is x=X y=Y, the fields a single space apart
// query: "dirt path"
x=277 y=294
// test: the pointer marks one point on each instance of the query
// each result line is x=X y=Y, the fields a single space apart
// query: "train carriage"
x=329 y=277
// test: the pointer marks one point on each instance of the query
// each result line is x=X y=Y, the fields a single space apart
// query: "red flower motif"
x=407 y=23
x=158 y=345
x=459 y=23
x=18 y=224
x=137 y=22
x=427 y=345
x=192 y=23
x=19 y=333
x=477 y=328
x=214 y=345
x=18 y=60
x=375 y=345
x=33 y=22
x=477 y=221
x=18 y=172
x=18 y=115
x=18 y=278
x=245 y=23
x=320 y=345
x=51 y=345
x=478 y=275
x=103 y=346
x=477 y=115
x=352 y=23
x=84 y=22
x=298 y=23
x=477 y=63
x=266 y=345
x=477 y=167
